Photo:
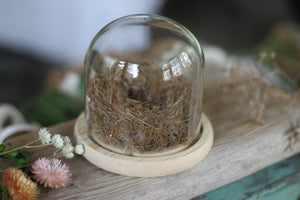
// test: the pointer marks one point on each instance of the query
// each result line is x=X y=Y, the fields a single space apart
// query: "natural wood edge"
x=144 y=166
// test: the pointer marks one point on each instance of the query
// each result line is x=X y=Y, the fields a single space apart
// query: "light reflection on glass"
x=121 y=64
x=166 y=72
x=185 y=59
x=177 y=66
x=109 y=61
x=133 y=69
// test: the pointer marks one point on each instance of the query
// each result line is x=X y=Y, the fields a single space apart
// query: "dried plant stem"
x=55 y=155
x=37 y=146
x=18 y=148
x=140 y=120
x=253 y=87
x=148 y=113
x=293 y=136
x=27 y=165
x=58 y=155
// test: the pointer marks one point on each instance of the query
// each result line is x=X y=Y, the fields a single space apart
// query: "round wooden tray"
x=144 y=166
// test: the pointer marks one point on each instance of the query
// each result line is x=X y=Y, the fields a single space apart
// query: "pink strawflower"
x=51 y=173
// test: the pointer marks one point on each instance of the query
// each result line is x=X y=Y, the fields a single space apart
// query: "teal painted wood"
x=280 y=181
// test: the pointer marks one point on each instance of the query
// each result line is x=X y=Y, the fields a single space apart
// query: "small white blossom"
x=68 y=151
x=44 y=136
x=57 y=141
x=79 y=149
x=69 y=155
x=66 y=140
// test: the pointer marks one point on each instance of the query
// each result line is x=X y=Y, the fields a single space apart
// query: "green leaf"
x=24 y=154
x=52 y=107
x=21 y=162
x=2 y=147
x=11 y=154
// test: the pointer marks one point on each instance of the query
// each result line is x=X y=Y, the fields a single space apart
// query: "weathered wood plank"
x=276 y=182
x=241 y=147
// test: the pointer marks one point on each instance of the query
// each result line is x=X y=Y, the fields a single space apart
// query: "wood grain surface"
x=241 y=147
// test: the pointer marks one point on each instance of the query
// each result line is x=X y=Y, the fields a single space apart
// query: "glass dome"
x=143 y=86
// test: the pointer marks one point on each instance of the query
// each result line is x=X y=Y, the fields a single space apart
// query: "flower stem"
x=21 y=147
x=37 y=146
x=56 y=155
x=1 y=171
x=56 y=151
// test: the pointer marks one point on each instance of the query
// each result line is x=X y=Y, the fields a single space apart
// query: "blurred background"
x=41 y=40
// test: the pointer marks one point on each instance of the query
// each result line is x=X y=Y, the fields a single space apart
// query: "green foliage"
x=284 y=62
x=2 y=147
x=21 y=162
x=20 y=155
x=11 y=154
x=52 y=107
x=268 y=60
x=24 y=154
x=282 y=41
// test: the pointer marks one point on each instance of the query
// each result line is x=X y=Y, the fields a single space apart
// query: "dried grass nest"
x=141 y=114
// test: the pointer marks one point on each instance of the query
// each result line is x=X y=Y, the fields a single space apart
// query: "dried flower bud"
x=51 y=173
x=68 y=151
x=44 y=136
x=19 y=185
x=57 y=141
x=66 y=140
x=79 y=149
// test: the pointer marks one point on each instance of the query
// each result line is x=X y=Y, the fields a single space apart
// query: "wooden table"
x=241 y=147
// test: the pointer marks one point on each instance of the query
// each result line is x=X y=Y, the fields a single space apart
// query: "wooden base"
x=144 y=166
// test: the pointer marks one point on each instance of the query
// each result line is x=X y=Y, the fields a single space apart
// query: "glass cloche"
x=143 y=86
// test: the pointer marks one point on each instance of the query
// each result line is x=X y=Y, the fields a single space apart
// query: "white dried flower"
x=57 y=141
x=66 y=140
x=45 y=136
x=79 y=149
x=68 y=151
x=69 y=155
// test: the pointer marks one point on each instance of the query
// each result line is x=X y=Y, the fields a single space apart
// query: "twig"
x=21 y=147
